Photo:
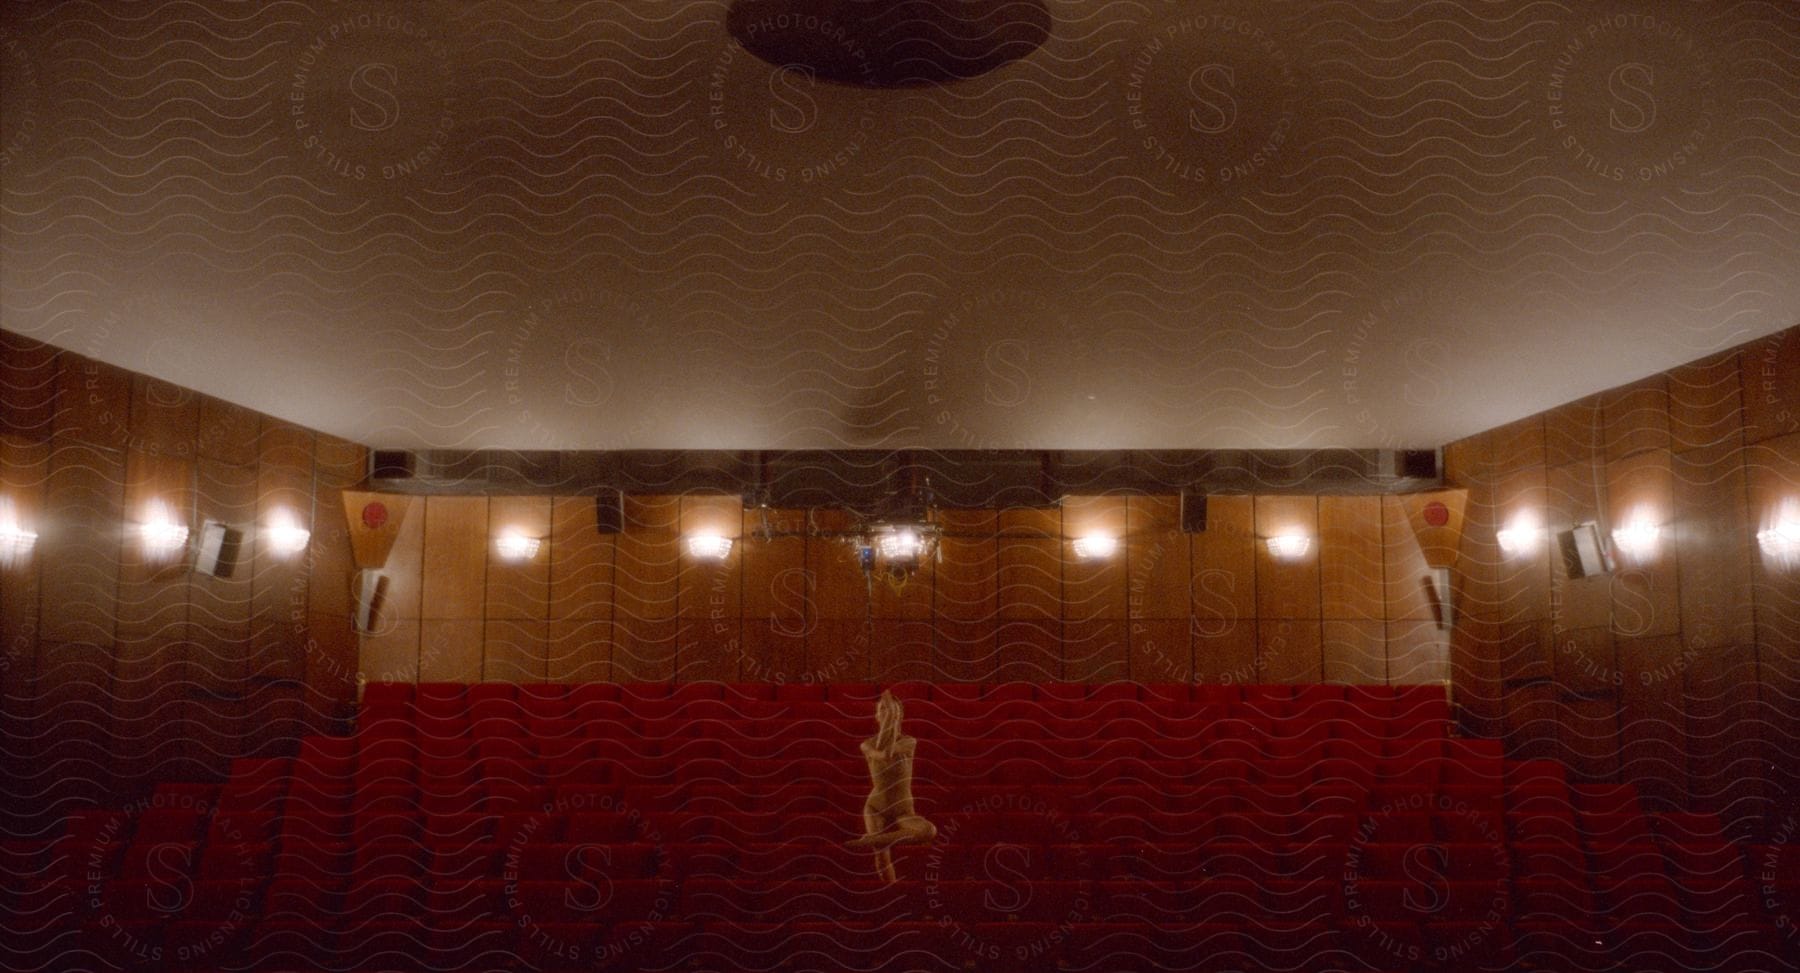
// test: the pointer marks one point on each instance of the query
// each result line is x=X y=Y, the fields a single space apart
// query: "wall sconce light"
x=709 y=547
x=1289 y=547
x=1782 y=541
x=1520 y=535
x=903 y=544
x=514 y=546
x=163 y=539
x=15 y=544
x=286 y=538
x=1093 y=547
x=1637 y=538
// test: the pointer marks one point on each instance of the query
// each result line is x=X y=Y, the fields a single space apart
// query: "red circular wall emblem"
x=1436 y=514
x=374 y=515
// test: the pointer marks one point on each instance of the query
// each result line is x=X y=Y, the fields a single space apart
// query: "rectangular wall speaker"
x=219 y=545
x=390 y=464
x=1583 y=554
x=371 y=591
x=1193 y=512
x=609 y=512
x=1419 y=464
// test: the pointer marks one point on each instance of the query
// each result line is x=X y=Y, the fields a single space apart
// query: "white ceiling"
x=615 y=233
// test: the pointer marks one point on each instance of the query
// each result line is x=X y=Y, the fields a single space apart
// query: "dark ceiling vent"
x=890 y=43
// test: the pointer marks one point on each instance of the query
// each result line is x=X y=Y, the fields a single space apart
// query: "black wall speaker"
x=1584 y=554
x=219 y=546
x=1193 y=512
x=390 y=464
x=609 y=512
x=1419 y=464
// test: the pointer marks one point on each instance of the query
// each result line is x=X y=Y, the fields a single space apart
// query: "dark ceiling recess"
x=890 y=43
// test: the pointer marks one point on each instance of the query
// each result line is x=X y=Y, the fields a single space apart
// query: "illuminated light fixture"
x=1637 y=538
x=286 y=538
x=904 y=543
x=15 y=544
x=162 y=537
x=1781 y=541
x=1522 y=534
x=1096 y=546
x=514 y=546
x=709 y=547
x=1289 y=547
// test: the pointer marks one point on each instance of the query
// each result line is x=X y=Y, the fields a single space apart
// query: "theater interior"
x=1094 y=486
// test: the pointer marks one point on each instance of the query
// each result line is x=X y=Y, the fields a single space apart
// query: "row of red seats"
x=1231 y=943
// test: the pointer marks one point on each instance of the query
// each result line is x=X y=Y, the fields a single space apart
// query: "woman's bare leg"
x=884 y=866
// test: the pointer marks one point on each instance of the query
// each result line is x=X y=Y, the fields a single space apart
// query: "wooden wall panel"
x=93 y=402
x=1223 y=556
x=581 y=562
x=155 y=585
x=1406 y=572
x=777 y=583
x=1521 y=578
x=1096 y=650
x=1350 y=565
x=451 y=649
x=645 y=649
x=1096 y=589
x=1574 y=494
x=453 y=583
x=515 y=650
x=709 y=649
x=165 y=418
x=29 y=374
x=518 y=589
x=1287 y=588
x=1290 y=650
x=1162 y=649
x=1028 y=582
x=1158 y=559
x=1574 y=433
x=964 y=651
x=1355 y=652
x=1227 y=654
x=392 y=654
x=1706 y=404
x=902 y=651
x=1636 y=417
x=646 y=560
x=839 y=650
x=1028 y=651
x=580 y=650
x=1645 y=602
x=776 y=653
x=711 y=590
x=1713 y=547
x=1417 y=652
x=78 y=547
x=24 y=471
x=1769 y=370
x=966 y=581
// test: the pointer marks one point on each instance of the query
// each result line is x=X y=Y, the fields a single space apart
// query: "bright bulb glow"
x=162 y=536
x=15 y=544
x=1637 y=538
x=1781 y=541
x=286 y=537
x=709 y=547
x=1289 y=547
x=514 y=546
x=1521 y=534
x=900 y=544
x=1096 y=546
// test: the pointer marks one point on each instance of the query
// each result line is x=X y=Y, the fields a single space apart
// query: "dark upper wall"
x=1680 y=672
x=119 y=669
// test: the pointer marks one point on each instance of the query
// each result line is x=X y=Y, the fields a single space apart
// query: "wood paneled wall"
x=119 y=669
x=1681 y=671
x=1008 y=599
